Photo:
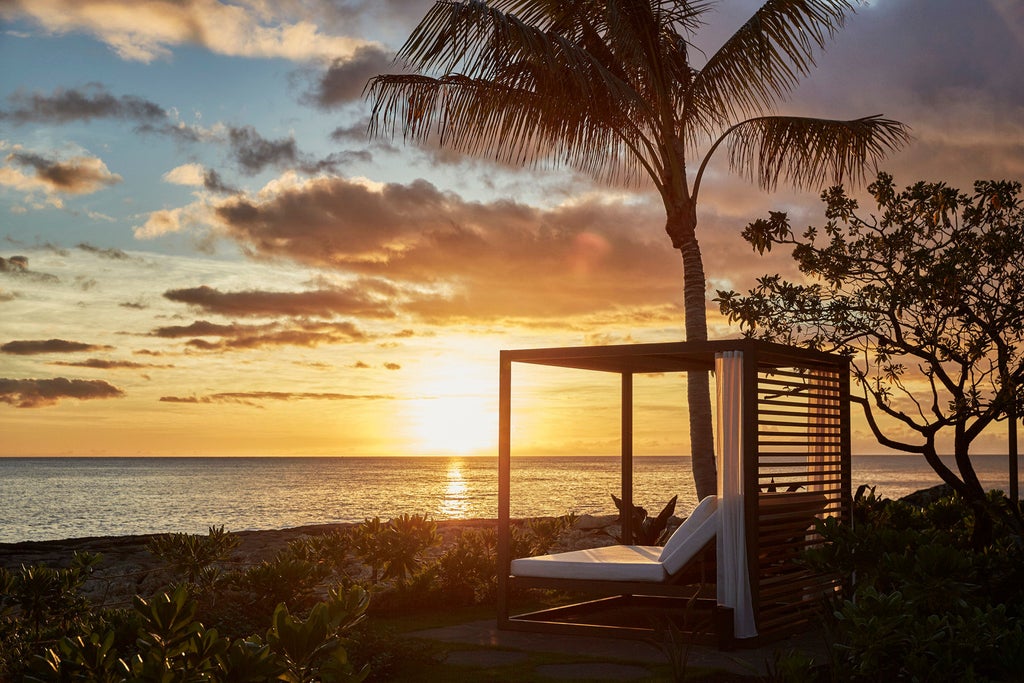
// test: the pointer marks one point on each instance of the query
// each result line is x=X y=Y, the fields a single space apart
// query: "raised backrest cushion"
x=681 y=538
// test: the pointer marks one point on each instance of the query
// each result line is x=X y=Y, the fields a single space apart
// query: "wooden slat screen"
x=800 y=475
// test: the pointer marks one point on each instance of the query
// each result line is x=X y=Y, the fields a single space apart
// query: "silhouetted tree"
x=927 y=299
x=611 y=87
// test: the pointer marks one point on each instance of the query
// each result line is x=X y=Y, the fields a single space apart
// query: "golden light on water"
x=454 y=503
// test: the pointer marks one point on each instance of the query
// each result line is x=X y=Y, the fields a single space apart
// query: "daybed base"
x=639 y=617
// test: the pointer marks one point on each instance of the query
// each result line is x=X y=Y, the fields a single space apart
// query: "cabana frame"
x=795 y=434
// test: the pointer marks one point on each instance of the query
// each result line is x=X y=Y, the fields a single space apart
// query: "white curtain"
x=733 y=579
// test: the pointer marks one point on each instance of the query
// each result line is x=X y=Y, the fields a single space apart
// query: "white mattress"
x=611 y=563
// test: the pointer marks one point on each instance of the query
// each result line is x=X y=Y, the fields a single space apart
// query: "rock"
x=591 y=522
x=926 y=497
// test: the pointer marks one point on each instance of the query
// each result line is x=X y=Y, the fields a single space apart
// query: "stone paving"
x=606 y=658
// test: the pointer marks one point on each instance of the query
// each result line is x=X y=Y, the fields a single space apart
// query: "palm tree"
x=608 y=87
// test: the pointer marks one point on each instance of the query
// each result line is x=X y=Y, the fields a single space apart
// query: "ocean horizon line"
x=899 y=454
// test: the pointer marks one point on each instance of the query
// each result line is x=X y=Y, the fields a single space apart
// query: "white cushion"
x=683 y=552
x=611 y=563
x=704 y=509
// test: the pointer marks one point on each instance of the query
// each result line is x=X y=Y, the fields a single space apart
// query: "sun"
x=455 y=425
x=455 y=414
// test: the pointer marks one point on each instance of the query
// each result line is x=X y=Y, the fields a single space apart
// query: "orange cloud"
x=365 y=298
x=478 y=256
x=253 y=398
x=235 y=337
x=36 y=393
x=30 y=347
x=78 y=175
x=144 y=30
x=101 y=364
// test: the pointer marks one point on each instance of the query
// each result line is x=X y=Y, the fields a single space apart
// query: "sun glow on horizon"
x=454 y=425
x=455 y=412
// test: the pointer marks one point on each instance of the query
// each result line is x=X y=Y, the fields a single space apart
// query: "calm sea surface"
x=55 y=498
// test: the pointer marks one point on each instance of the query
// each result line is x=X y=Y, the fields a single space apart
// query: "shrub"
x=392 y=549
x=191 y=556
x=171 y=645
x=926 y=604
x=283 y=579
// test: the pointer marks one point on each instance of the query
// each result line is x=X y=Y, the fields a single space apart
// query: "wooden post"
x=1012 y=446
x=504 y=485
x=627 y=458
x=750 y=462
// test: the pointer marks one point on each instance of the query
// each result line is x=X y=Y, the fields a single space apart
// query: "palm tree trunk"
x=682 y=228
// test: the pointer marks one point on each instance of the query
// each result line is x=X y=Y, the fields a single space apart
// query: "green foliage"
x=406 y=538
x=283 y=579
x=546 y=531
x=927 y=605
x=48 y=599
x=171 y=645
x=330 y=550
x=467 y=571
x=370 y=544
x=192 y=556
x=392 y=549
x=202 y=626
x=312 y=648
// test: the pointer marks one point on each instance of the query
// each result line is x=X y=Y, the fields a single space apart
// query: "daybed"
x=642 y=563
x=728 y=575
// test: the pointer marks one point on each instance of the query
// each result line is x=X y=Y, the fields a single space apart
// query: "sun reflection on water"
x=455 y=502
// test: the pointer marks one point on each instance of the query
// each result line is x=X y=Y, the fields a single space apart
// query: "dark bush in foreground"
x=927 y=606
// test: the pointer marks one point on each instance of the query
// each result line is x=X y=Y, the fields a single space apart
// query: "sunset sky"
x=202 y=253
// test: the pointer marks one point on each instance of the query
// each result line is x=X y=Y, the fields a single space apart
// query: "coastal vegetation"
x=622 y=91
x=299 y=615
x=927 y=603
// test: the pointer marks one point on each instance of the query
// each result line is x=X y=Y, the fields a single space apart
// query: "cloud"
x=253 y=398
x=364 y=298
x=344 y=79
x=77 y=176
x=144 y=30
x=102 y=364
x=253 y=153
x=37 y=346
x=190 y=175
x=36 y=393
x=474 y=257
x=91 y=102
x=112 y=253
x=237 y=337
x=17 y=266
x=356 y=132
x=165 y=221
x=213 y=182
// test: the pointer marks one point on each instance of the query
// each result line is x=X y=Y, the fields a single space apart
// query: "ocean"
x=58 y=498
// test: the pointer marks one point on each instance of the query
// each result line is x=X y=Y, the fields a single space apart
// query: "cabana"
x=729 y=574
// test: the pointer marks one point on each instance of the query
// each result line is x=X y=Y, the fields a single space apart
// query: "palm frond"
x=507 y=87
x=482 y=117
x=808 y=152
x=763 y=61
